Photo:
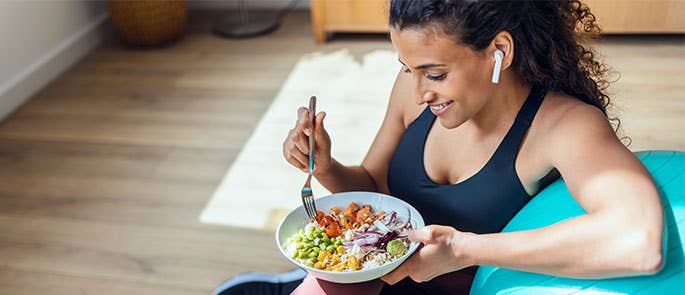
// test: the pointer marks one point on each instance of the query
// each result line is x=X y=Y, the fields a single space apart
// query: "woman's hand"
x=296 y=145
x=442 y=252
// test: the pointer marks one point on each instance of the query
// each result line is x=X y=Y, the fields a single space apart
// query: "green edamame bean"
x=303 y=255
x=313 y=254
x=330 y=248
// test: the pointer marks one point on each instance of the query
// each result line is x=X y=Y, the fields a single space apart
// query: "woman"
x=469 y=150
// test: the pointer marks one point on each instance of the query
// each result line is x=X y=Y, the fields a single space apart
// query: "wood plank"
x=147 y=255
x=318 y=17
x=154 y=183
x=17 y=281
x=115 y=200
x=639 y=16
x=162 y=130
x=613 y=16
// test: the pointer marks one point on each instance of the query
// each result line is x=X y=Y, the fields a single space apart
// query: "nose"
x=422 y=95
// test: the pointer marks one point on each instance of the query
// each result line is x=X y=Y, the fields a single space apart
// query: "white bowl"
x=379 y=202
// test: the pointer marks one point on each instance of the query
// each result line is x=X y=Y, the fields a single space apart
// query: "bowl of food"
x=356 y=237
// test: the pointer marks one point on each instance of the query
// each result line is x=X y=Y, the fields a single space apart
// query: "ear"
x=504 y=42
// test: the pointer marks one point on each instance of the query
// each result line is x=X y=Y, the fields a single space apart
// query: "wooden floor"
x=103 y=173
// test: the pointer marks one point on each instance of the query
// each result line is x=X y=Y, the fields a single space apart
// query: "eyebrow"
x=423 y=66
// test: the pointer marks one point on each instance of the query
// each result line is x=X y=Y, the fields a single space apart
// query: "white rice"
x=376 y=259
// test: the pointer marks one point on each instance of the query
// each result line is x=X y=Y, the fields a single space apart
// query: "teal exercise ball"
x=555 y=204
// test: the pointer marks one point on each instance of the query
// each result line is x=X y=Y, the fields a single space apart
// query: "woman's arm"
x=621 y=235
x=340 y=178
x=371 y=174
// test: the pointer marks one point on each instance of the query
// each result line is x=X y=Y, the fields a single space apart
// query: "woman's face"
x=452 y=79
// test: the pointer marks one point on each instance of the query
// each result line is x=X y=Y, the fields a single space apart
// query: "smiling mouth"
x=441 y=106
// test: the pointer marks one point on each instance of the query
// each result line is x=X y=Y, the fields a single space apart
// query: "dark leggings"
x=458 y=282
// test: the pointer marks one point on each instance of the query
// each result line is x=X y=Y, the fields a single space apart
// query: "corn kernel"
x=352 y=262
x=340 y=266
x=322 y=255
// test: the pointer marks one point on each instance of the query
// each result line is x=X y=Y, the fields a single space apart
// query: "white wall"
x=41 y=39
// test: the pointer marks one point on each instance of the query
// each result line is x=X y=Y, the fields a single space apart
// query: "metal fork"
x=307 y=195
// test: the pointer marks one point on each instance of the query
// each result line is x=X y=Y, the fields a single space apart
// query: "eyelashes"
x=436 y=78
x=430 y=77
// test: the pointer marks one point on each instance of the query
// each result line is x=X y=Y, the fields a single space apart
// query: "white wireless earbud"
x=499 y=55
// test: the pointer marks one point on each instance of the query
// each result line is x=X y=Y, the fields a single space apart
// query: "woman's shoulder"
x=562 y=117
x=402 y=102
x=563 y=111
x=562 y=125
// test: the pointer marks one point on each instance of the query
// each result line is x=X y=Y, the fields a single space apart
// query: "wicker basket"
x=148 y=22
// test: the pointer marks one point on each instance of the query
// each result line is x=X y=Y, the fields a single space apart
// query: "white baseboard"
x=17 y=90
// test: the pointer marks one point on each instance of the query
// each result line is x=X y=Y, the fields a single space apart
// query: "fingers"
x=318 y=125
x=301 y=142
x=296 y=146
x=302 y=118
x=296 y=162
x=396 y=275
x=319 y=122
x=399 y=273
x=422 y=235
x=293 y=148
x=322 y=140
x=302 y=159
x=410 y=268
x=296 y=150
x=430 y=234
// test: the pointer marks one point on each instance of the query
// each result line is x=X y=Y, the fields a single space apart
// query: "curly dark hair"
x=550 y=39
